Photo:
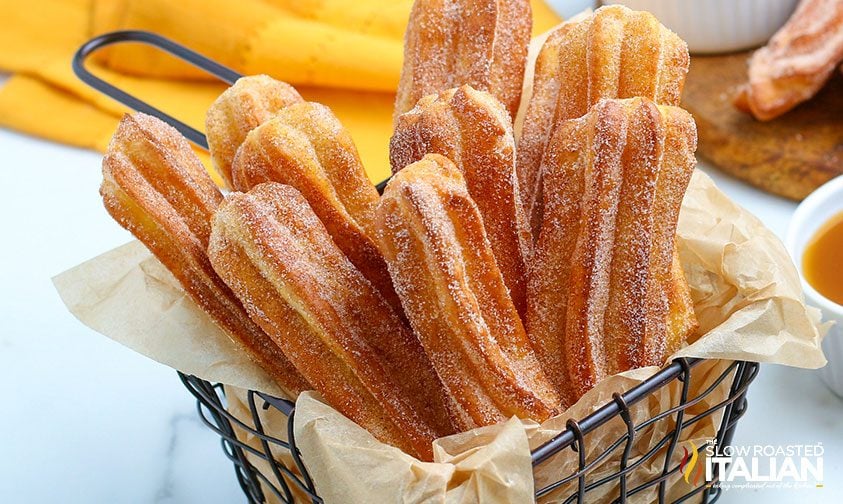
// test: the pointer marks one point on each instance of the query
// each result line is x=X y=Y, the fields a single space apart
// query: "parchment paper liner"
x=747 y=296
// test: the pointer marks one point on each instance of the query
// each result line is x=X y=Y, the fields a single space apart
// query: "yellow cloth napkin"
x=346 y=55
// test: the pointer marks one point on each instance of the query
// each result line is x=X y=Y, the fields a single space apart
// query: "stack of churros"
x=496 y=276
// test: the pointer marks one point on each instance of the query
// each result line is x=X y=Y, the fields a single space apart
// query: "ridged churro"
x=472 y=129
x=156 y=187
x=449 y=43
x=276 y=255
x=614 y=53
x=250 y=102
x=305 y=146
x=606 y=294
x=441 y=262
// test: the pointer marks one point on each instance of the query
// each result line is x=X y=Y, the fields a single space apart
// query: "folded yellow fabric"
x=344 y=54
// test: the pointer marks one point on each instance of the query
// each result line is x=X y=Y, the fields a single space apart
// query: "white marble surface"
x=83 y=419
x=87 y=420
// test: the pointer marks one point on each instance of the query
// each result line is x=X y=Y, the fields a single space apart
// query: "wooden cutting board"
x=789 y=156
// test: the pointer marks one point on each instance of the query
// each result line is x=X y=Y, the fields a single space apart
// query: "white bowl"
x=713 y=26
x=810 y=215
x=570 y=8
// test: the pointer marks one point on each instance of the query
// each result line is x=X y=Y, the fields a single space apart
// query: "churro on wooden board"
x=796 y=62
x=790 y=155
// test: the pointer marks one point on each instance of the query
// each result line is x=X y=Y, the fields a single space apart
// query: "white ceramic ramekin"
x=810 y=215
x=570 y=8
x=713 y=26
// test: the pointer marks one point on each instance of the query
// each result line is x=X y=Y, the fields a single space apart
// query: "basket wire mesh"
x=211 y=403
x=290 y=482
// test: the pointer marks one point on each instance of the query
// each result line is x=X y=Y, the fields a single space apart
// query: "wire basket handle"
x=223 y=73
x=219 y=71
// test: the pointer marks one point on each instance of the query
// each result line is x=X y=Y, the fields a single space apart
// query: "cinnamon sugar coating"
x=431 y=233
x=471 y=128
x=606 y=293
x=305 y=146
x=250 y=102
x=614 y=53
x=449 y=43
x=156 y=187
x=277 y=256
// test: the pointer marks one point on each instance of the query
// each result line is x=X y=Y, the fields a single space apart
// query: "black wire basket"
x=265 y=476
x=285 y=481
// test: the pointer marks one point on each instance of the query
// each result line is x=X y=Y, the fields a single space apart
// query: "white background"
x=84 y=419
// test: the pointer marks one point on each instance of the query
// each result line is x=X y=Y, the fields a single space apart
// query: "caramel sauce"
x=822 y=261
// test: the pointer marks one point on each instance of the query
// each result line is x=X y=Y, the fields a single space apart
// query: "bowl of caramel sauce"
x=815 y=241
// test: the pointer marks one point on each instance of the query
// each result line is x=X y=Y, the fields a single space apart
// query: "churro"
x=432 y=236
x=156 y=187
